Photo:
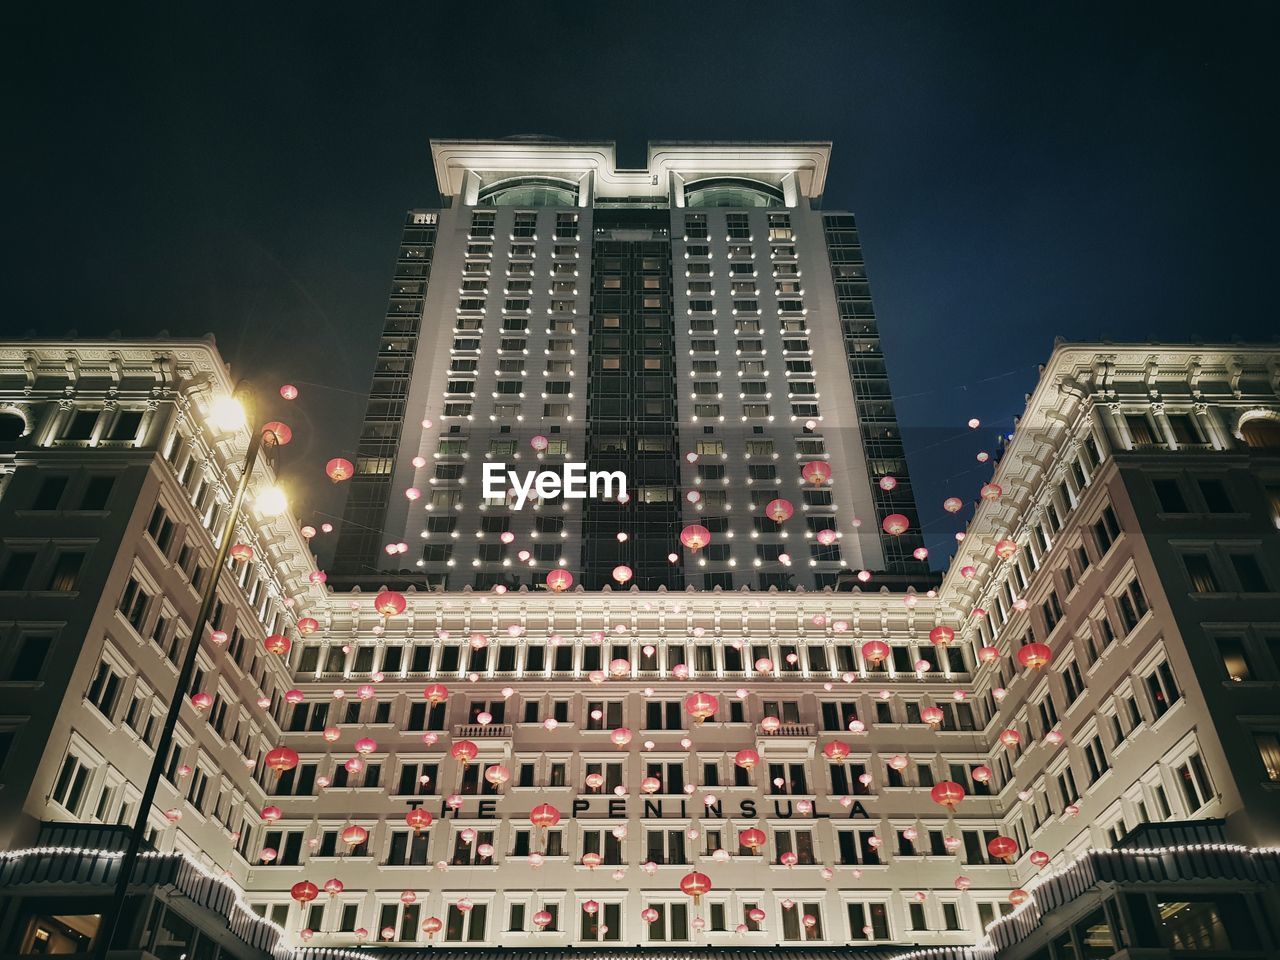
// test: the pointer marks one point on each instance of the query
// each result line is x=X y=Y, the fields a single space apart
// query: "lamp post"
x=232 y=413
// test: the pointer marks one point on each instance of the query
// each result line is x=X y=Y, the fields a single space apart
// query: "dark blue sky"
x=1020 y=171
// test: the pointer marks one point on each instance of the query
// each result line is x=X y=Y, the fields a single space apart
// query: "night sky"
x=1019 y=172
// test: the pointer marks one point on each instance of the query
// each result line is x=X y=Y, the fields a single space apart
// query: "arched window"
x=12 y=426
x=1261 y=429
x=731 y=192
x=529 y=192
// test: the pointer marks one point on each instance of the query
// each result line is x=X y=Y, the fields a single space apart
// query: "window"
x=96 y=493
x=671 y=924
x=1200 y=573
x=1169 y=494
x=65 y=576
x=1163 y=691
x=868 y=921
x=1105 y=530
x=1249 y=572
x=104 y=689
x=68 y=789
x=49 y=493
x=1268 y=744
x=802 y=921
x=1234 y=660
x=1215 y=496
x=1196 y=789
x=465 y=925
x=16 y=569
x=1096 y=758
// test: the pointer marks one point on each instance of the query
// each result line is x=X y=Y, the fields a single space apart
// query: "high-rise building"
x=1069 y=750
x=700 y=325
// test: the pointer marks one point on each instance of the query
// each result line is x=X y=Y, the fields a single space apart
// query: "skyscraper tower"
x=699 y=325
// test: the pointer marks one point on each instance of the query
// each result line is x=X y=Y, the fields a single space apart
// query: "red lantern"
x=1018 y=896
x=649 y=915
x=748 y=759
x=982 y=774
x=988 y=654
x=895 y=524
x=592 y=860
x=753 y=839
x=1003 y=848
x=622 y=573
x=695 y=885
x=558 y=581
x=276 y=433
x=241 y=552
x=544 y=815
x=816 y=472
x=952 y=504
x=700 y=706
x=779 y=511
x=770 y=724
x=464 y=751
x=933 y=716
x=333 y=886
x=418 y=819
x=875 y=652
x=991 y=491
x=277 y=643
x=304 y=891
x=202 y=701
x=436 y=693
x=354 y=835
x=281 y=759
x=695 y=537
x=836 y=751
x=431 y=926
x=497 y=774
x=308 y=625
x=271 y=814
x=941 y=636
x=620 y=737
x=389 y=603
x=1006 y=549
x=948 y=793
x=542 y=919
x=339 y=469
x=1010 y=738
x=756 y=915
x=826 y=537
x=1039 y=858
x=1034 y=655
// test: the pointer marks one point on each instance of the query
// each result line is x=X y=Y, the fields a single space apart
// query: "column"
x=1118 y=435
x=1162 y=424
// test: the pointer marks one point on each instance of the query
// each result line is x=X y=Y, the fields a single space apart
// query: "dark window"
x=1169 y=493
x=17 y=569
x=97 y=492
x=49 y=495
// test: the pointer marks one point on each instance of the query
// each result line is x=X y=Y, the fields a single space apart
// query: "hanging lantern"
x=542 y=919
x=695 y=885
x=366 y=746
x=649 y=915
x=289 y=391
x=952 y=504
x=700 y=706
x=695 y=537
x=431 y=926
x=620 y=736
x=619 y=667
x=752 y=838
x=788 y=859
x=281 y=759
x=389 y=603
x=933 y=716
x=436 y=693
x=418 y=819
x=241 y=552
x=1010 y=738
x=899 y=762
x=770 y=725
x=559 y=580
x=354 y=835
x=277 y=643
x=592 y=860
x=1018 y=896
x=304 y=891
x=837 y=751
x=816 y=472
x=308 y=625
x=202 y=701
x=941 y=636
x=988 y=654
x=271 y=814
x=1033 y=656
x=756 y=915
x=991 y=491
x=875 y=652
x=622 y=573
x=981 y=774
x=748 y=759
x=1003 y=848
x=779 y=511
x=1039 y=858
x=539 y=443
x=1006 y=549
x=333 y=886
x=339 y=469
x=826 y=537
x=947 y=794
x=497 y=774
x=544 y=815
x=595 y=781
x=895 y=524
x=464 y=751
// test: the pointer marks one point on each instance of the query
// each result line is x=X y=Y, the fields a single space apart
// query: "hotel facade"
x=1118 y=784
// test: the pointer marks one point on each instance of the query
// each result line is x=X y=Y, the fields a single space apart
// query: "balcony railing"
x=482 y=731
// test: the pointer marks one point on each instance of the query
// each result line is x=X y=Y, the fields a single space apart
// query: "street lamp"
x=226 y=413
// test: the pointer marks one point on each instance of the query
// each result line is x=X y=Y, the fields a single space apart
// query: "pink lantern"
x=952 y=504
x=559 y=580
x=622 y=573
x=464 y=751
x=826 y=537
x=620 y=736
x=700 y=706
x=991 y=491
x=779 y=511
x=816 y=472
x=695 y=537
x=895 y=524
x=389 y=603
x=339 y=469
x=202 y=701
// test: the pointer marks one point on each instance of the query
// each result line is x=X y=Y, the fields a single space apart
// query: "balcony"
x=482 y=731
x=787 y=730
